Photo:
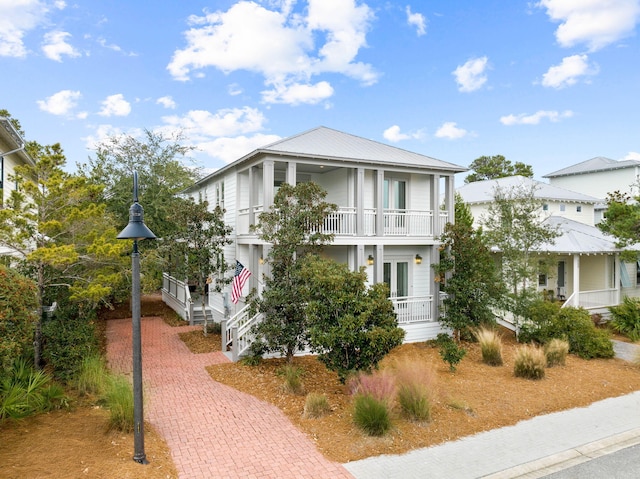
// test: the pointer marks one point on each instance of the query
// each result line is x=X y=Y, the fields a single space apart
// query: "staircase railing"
x=236 y=332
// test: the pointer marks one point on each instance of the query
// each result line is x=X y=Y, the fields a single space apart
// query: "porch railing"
x=601 y=298
x=413 y=309
x=176 y=294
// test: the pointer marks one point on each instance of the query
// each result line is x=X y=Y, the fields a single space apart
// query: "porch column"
x=435 y=204
x=379 y=203
x=267 y=184
x=359 y=200
x=434 y=288
x=450 y=198
x=616 y=277
x=360 y=258
x=576 y=280
x=378 y=270
x=291 y=173
x=252 y=196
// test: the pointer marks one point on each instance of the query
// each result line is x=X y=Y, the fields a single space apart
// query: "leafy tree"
x=65 y=236
x=468 y=274
x=197 y=246
x=497 y=166
x=293 y=226
x=17 y=316
x=622 y=218
x=161 y=174
x=352 y=327
x=514 y=225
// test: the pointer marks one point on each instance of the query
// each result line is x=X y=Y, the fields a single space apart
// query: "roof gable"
x=599 y=163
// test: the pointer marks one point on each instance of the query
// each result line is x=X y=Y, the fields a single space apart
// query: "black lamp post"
x=136 y=230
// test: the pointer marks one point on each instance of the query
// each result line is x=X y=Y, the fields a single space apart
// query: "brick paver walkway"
x=213 y=431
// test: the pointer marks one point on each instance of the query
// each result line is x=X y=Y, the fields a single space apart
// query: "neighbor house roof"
x=329 y=144
x=484 y=191
x=599 y=163
x=576 y=237
x=11 y=137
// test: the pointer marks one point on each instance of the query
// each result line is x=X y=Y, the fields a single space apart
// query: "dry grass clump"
x=490 y=346
x=316 y=405
x=416 y=388
x=529 y=362
x=292 y=379
x=381 y=385
x=556 y=352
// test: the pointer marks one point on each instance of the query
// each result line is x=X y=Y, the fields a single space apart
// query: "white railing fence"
x=601 y=298
x=412 y=309
x=176 y=294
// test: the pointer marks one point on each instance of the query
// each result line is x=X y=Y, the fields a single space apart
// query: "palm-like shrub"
x=490 y=346
x=556 y=352
x=371 y=415
x=529 y=362
x=626 y=318
x=119 y=400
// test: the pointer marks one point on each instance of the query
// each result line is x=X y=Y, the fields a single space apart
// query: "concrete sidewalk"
x=529 y=449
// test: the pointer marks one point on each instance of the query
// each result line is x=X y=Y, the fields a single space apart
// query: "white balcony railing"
x=413 y=309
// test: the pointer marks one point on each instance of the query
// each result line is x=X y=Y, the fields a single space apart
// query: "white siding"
x=420 y=193
x=598 y=183
x=336 y=184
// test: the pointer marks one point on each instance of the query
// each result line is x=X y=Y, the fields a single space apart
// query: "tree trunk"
x=37 y=340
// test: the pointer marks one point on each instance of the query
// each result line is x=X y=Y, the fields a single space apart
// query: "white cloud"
x=298 y=93
x=17 y=18
x=534 y=119
x=632 y=155
x=61 y=103
x=568 y=72
x=394 y=135
x=115 y=105
x=287 y=48
x=450 y=131
x=55 y=45
x=202 y=124
x=230 y=149
x=471 y=76
x=596 y=23
x=167 y=102
x=418 y=20
x=234 y=89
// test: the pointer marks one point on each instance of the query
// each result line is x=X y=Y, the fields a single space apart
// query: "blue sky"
x=550 y=83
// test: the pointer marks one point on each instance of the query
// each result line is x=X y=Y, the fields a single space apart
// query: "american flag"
x=239 y=279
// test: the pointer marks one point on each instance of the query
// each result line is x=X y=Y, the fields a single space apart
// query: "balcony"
x=343 y=222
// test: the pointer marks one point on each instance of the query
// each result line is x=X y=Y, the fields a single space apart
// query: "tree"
x=497 y=166
x=468 y=275
x=352 y=327
x=514 y=225
x=161 y=177
x=66 y=238
x=622 y=218
x=293 y=226
x=197 y=247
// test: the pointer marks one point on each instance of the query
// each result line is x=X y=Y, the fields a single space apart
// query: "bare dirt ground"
x=74 y=444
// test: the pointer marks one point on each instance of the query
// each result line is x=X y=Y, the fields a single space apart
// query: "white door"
x=396 y=275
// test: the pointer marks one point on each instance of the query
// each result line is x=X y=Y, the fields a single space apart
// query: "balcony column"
x=379 y=203
x=378 y=265
x=359 y=201
x=434 y=288
x=435 y=205
x=291 y=173
x=267 y=184
x=450 y=198
x=252 y=196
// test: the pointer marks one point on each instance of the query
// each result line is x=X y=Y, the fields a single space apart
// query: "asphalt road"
x=622 y=464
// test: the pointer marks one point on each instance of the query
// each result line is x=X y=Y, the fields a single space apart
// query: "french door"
x=396 y=275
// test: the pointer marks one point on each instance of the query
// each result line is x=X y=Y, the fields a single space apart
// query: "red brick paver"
x=213 y=431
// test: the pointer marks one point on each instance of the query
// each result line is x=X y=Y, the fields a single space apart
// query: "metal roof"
x=483 y=191
x=599 y=163
x=12 y=138
x=578 y=237
x=328 y=144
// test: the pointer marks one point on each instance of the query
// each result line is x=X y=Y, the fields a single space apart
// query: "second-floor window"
x=395 y=194
x=578 y=209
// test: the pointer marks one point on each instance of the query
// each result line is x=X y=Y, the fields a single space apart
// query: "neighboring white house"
x=598 y=177
x=588 y=269
x=389 y=216
x=12 y=154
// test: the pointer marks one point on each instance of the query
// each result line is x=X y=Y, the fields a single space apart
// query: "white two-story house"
x=12 y=154
x=389 y=217
x=588 y=271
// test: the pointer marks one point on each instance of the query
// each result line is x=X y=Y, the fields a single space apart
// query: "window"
x=578 y=209
x=542 y=279
x=545 y=207
x=563 y=207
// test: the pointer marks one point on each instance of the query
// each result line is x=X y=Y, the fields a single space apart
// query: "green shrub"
x=68 y=338
x=18 y=306
x=556 y=352
x=490 y=345
x=572 y=324
x=449 y=350
x=529 y=362
x=292 y=378
x=118 y=399
x=371 y=415
x=93 y=376
x=25 y=391
x=626 y=318
x=316 y=405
